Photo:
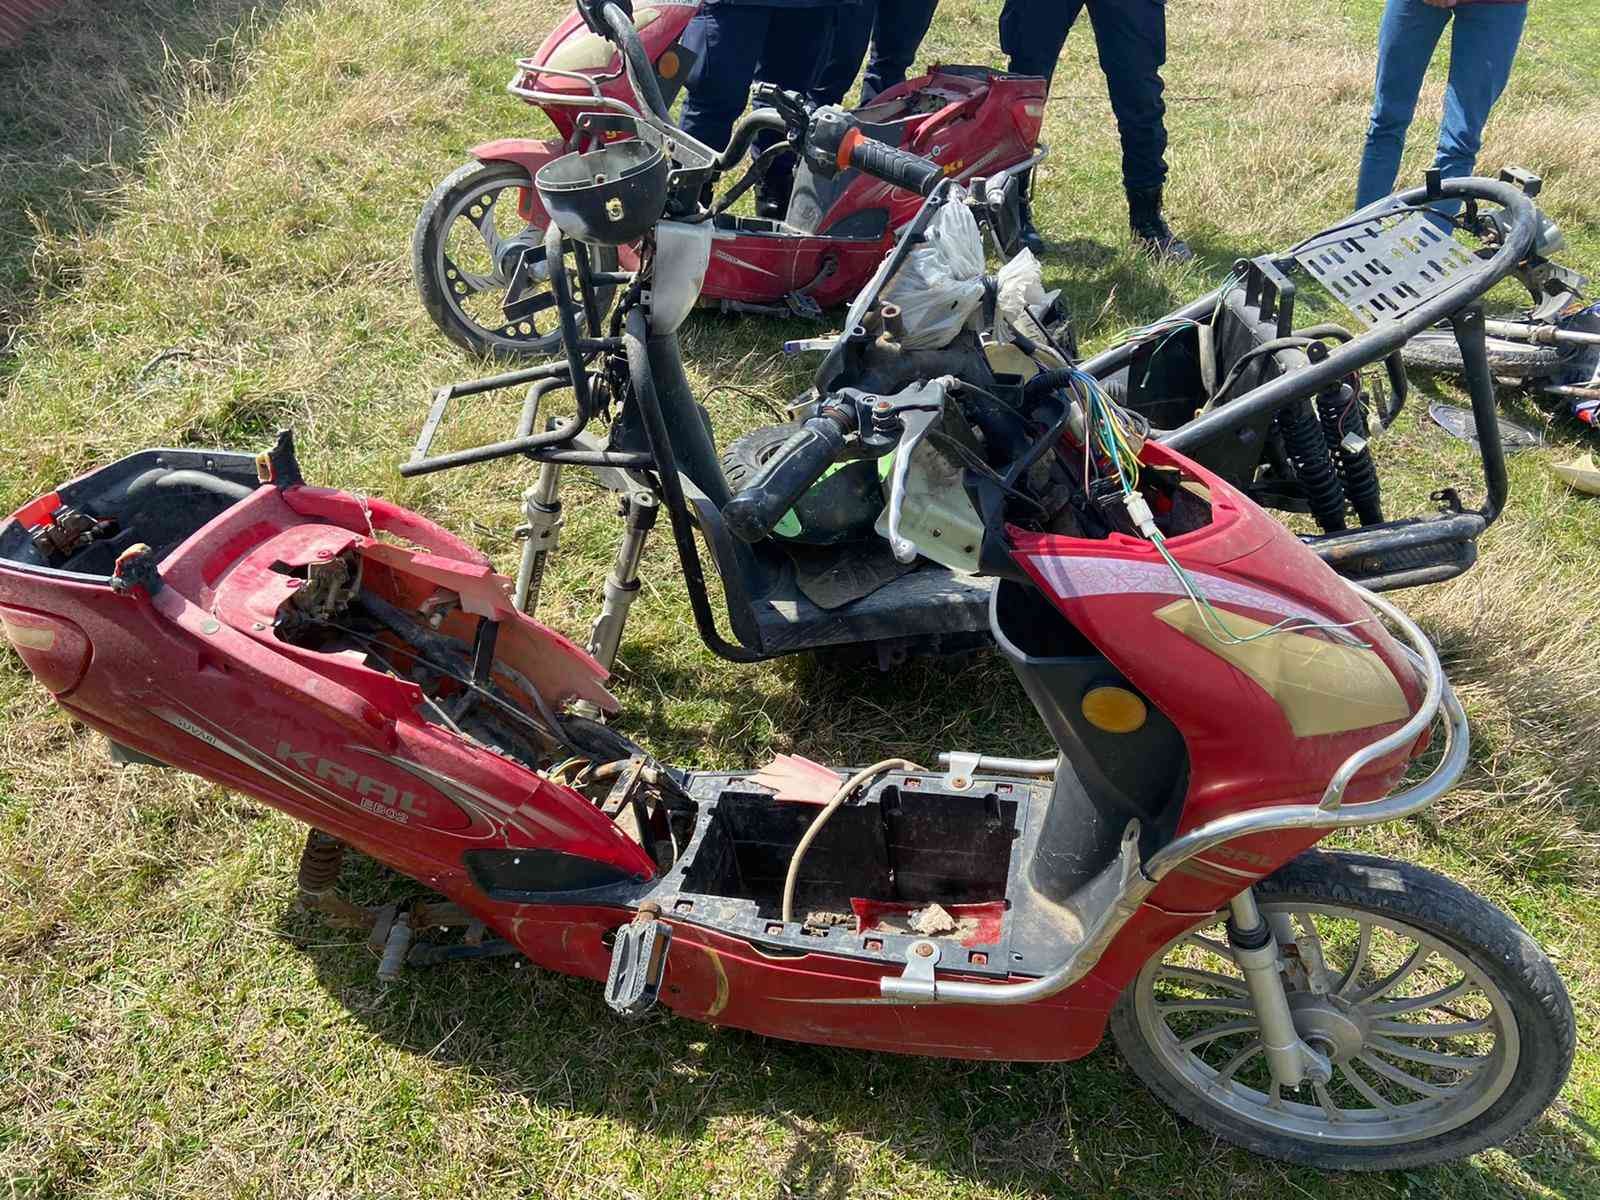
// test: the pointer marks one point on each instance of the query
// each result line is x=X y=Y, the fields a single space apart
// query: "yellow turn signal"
x=1114 y=709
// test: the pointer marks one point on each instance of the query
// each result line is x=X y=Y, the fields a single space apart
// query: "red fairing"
x=195 y=676
x=1243 y=751
x=571 y=46
x=817 y=998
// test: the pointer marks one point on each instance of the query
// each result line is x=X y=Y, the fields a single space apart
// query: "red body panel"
x=970 y=126
x=196 y=676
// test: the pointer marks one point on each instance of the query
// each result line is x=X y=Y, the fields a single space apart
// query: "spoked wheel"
x=480 y=267
x=1510 y=362
x=1447 y=1027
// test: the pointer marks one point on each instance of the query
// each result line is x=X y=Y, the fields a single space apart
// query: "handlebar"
x=788 y=475
x=835 y=142
x=618 y=27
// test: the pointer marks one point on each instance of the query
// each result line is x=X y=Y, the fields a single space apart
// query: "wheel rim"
x=483 y=241
x=1421 y=1040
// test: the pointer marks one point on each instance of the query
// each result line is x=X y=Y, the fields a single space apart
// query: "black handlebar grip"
x=798 y=464
x=894 y=165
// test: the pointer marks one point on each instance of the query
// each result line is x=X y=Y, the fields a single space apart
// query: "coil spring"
x=320 y=862
x=1308 y=451
x=1344 y=411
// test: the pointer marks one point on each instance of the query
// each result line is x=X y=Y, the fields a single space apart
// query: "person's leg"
x=851 y=34
x=1483 y=42
x=798 y=43
x=726 y=40
x=897 y=33
x=1032 y=33
x=1407 y=37
x=1131 y=39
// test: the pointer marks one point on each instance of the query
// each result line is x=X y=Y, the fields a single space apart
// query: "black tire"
x=1511 y=362
x=428 y=247
x=749 y=452
x=1495 y=945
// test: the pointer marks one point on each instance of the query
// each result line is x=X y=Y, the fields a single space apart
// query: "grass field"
x=237 y=181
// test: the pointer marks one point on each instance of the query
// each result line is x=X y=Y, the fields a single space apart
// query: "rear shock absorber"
x=320 y=862
x=1344 y=428
x=1303 y=439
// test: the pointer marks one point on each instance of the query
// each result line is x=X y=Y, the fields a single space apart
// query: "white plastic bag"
x=940 y=285
x=1020 y=284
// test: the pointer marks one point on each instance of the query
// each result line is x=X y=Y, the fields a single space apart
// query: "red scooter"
x=478 y=255
x=1220 y=698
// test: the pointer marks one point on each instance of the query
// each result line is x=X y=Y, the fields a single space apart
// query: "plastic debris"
x=799 y=779
x=1581 y=474
x=1018 y=286
x=940 y=285
x=1459 y=423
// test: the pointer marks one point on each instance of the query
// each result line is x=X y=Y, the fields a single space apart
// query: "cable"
x=839 y=797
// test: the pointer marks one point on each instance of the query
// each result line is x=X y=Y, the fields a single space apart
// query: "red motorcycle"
x=1220 y=698
x=478 y=255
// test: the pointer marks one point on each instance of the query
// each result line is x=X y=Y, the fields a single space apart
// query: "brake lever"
x=791 y=106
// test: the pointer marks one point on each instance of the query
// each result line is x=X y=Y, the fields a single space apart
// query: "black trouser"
x=1131 y=38
x=894 y=27
x=736 y=44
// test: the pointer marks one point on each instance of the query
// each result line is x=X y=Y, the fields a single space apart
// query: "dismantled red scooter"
x=479 y=256
x=1220 y=698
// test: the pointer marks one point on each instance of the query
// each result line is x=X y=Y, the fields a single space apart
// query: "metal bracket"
x=960 y=768
x=921 y=958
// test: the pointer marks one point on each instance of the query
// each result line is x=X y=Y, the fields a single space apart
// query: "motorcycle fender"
x=530 y=155
x=54 y=649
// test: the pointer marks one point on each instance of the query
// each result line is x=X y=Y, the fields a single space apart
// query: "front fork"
x=541 y=530
x=1254 y=940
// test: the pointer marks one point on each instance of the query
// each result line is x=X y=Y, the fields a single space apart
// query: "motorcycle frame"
x=675 y=460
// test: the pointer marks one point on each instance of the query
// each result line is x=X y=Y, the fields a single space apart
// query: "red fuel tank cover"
x=54 y=649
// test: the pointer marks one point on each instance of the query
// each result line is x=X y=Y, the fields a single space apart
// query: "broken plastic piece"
x=799 y=779
x=1581 y=474
x=1458 y=423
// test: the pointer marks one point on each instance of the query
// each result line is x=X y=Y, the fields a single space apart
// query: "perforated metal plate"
x=1387 y=266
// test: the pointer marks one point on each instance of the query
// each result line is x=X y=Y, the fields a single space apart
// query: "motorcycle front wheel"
x=1447 y=1027
x=468 y=244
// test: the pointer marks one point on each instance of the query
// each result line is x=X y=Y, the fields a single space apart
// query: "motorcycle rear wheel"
x=462 y=263
x=1448 y=1027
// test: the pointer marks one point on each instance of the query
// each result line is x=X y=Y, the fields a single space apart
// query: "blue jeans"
x=1483 y=41
x=1130 y=37
x=894 y=27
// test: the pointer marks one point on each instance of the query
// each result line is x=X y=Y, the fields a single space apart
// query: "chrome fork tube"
x=1255 y=949
x=540 y=532
x=622 y=585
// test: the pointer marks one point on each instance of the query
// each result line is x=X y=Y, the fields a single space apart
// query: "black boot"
x=1150 y=229
x=775 y=187
x=1028 y=233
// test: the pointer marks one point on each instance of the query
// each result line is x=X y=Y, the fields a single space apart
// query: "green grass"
x=237 y=181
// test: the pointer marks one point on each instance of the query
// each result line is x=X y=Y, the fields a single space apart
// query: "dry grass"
x=237 y=181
